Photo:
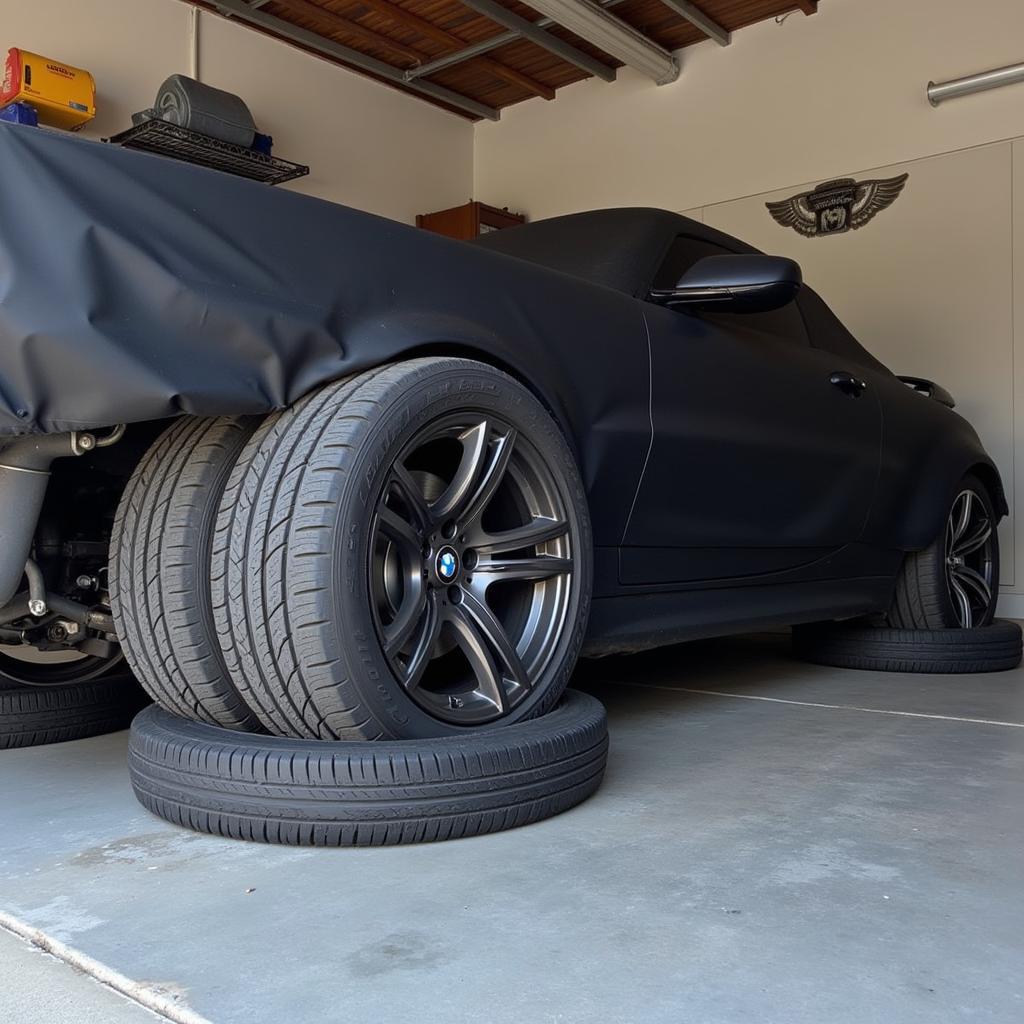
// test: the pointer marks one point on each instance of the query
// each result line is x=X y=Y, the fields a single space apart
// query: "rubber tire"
x=314 y=793
x=921 y=599
x=160 y=569
x=993 y=648
x=288 y=573
x=33 y=715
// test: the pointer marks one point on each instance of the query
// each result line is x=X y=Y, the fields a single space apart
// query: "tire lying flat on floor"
x=373 y=793
x=992 y=648
x=33 y=715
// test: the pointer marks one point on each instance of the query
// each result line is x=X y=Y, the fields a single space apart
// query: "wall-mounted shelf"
x=166 y=139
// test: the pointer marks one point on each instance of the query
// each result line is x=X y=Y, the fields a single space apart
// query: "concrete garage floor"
x=754 y=855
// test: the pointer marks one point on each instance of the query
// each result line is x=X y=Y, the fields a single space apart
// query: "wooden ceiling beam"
x=314 y=42
x=808 y=6
x=429 y=30
x=340 y=24
x=513 y=77
x=542 y=38
x=695 y=16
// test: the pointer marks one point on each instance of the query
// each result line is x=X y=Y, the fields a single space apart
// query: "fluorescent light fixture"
x=612 y=35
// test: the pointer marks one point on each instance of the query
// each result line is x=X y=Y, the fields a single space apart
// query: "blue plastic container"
x=20 y=113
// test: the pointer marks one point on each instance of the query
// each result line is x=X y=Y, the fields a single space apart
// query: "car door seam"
x=650 y=421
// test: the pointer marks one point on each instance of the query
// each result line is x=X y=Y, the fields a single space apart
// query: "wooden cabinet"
x=469 y=220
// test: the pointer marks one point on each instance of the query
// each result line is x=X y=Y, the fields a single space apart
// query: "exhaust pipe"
x=24 y=475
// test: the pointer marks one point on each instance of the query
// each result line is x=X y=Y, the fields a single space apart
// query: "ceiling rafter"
x=485 y=46
x=543 y=38
x=352 y=28
x=695 y=16
x=478 y=65
x=354 y=58
x=613 y=36
x=413 y=22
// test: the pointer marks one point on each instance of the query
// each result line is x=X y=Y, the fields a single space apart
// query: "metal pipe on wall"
x=193 y=43
x=939 y=92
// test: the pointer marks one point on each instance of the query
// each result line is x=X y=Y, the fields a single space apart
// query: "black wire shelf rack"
x=166 y=139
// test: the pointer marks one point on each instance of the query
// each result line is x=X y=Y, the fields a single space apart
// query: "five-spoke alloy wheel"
x=970 y=559
x=403 y=554
x=471 y=572
x=954 y=582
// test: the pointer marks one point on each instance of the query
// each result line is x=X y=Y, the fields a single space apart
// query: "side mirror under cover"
x=734 y=284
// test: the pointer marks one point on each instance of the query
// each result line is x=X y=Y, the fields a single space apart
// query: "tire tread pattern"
x=993 y=648
x=34 y=715
x=159 y=569
x=302 y=792
x=273 y=590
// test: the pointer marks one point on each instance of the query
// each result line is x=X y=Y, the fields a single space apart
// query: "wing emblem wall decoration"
x=837 y=206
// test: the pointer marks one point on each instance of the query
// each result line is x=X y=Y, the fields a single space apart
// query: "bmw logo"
x=447 y=564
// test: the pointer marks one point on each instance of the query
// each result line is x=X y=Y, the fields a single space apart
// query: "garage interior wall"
x=368 y=145
x=931 y=285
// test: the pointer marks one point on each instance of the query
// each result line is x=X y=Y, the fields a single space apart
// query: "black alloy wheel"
x=471 y=554
x=970 y=560
x=403 y=554
x=954 y=582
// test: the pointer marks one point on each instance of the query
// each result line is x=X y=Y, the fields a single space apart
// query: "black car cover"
x=134 y=287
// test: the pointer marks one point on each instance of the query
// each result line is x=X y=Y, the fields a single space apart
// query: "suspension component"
x=24 y=476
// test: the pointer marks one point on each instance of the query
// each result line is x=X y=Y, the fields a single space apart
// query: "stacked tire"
x=942 y=618
x=32 y=716
x=400 y=561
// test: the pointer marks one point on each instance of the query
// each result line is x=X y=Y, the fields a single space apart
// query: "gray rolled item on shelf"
x=202 y=108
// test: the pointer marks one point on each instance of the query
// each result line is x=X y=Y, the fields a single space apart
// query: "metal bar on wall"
x=939 y=92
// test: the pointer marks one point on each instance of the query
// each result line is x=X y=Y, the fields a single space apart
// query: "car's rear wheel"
x=404 y=554
x=954 y=582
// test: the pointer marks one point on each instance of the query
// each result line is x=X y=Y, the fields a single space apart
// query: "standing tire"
x=404 y=554
x=160 y=569
x=954 y=582
x=311 y=793
x=33 y=715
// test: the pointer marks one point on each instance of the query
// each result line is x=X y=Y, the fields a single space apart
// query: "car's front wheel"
x=954 y=582
x=403 y=554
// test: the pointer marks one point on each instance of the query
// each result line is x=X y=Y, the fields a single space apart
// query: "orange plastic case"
x=63 y=96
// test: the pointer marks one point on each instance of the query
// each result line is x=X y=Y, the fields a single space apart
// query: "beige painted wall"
x=368 y=145
x=808 y=99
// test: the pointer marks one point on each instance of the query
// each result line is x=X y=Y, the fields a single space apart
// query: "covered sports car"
x=324 y=475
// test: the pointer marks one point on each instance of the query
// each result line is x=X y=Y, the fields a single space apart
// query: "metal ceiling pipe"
x=337 y=51
x=939 y=92
x=612 y=35
x=485 y=46
x=529 y=30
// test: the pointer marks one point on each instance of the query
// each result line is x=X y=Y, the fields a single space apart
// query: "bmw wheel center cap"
x=447 y=564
